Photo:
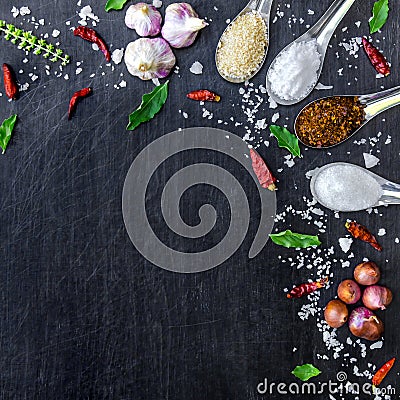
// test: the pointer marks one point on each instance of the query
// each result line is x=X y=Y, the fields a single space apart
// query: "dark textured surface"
x=82 y=314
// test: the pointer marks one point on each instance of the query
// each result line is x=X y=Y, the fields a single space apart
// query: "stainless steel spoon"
x=374 y=103
x=390 y=191
x=263 y=7
x=322 y=32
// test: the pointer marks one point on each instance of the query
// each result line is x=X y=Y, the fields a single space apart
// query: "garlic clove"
x=181 y=25
x=149 y=58
x=144 y=18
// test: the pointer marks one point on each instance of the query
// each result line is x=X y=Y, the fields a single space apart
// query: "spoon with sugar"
x=295 y=71
x=243 y=46
x=329 y=121
x=347 y=187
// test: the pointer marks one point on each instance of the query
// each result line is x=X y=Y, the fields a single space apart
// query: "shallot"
x=367 y=273
x=364 y=324
x=349 y=292
x=377 y=297
x=336 y=313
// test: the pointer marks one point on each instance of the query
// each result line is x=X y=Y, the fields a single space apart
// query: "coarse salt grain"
x=196 y=68
x=241 y=49
x=295 y=71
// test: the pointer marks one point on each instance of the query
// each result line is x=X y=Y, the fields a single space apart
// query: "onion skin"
x=364 y=324
x=349 y=291
x=336 y=313
x=377 y=297
x=367 y=273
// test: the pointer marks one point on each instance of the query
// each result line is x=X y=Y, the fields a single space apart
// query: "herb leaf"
x=305 y=372
x=115 y=5
x=380 y=14
x=151 y=105
x=286 y=139
x=297 y=240
x=6 y=129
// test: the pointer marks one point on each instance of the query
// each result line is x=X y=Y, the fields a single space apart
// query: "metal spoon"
x=390 y=191
x=374 y=103
x=263 y=7
x=322 y=32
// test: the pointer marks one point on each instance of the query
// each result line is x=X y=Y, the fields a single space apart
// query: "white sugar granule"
x=346 y=188
x=295 y=71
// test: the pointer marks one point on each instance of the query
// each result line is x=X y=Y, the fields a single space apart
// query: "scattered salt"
x=382 y=232
x=157 y=3
x=24 y=11
x=345 y=244
x=196 y=68
x=55 y=33
x=370 y=160
x=117 y=55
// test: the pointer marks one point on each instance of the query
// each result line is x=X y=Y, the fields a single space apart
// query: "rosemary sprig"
x=28 y=42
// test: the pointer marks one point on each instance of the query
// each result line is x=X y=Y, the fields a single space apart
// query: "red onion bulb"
x=367 y=273
x=336 y=313
x=377 y=297
x=349 y=292
x=364 y=324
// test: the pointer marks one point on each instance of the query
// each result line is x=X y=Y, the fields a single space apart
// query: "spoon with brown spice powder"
x=243 y=46
x=329 y=121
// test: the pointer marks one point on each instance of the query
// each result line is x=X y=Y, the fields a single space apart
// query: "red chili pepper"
x=203 y=95
x=382 y=372
x=263 y=173
x=92 y=36
x=11 y=87
x=377 y=59
x=361 y=232
x=80 y=94
x=306 y=288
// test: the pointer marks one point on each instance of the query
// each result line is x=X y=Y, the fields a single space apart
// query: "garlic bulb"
x=181 y=25
x=149 y=58
x=144 y=19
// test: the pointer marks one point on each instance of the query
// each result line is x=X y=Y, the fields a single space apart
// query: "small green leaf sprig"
x=28 y=42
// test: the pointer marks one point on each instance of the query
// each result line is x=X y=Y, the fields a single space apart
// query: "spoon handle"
x=324 y=28
x=379 y=102
x=262 y=6
x=390 y=194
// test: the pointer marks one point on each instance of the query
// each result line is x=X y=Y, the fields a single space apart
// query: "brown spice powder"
x=329 y=121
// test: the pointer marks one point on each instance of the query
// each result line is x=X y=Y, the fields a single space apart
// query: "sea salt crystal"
x=196 y=68
x=295 y=71
x=157 y=3
x=275 y=117
x=117 y=55
x=95 y=47
x=370 y=160
x=24 y=11
x=345 y=244
x=55 y=33
x=376 y=345
x=346 y=188
x=382 y=232
x=15 y=12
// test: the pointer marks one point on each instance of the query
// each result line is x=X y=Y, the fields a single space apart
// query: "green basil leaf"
x=297 y=240
x=6 y=130
x=305 y=372
x=380 y=14
x=286 y=139
x=151 y=105
x=115 y=5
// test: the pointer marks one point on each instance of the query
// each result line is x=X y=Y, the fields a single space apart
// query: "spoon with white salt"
x=295 y=71
x=243 y=46
x=347 y=187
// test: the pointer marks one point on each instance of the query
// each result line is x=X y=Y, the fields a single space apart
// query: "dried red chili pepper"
x=10 y=85
x=382 y=372
x=92 y=36
x=80 y=94
x=263 y=173
x=377 y=59
x=306 y=288
x=203 y=95
x=361 y=232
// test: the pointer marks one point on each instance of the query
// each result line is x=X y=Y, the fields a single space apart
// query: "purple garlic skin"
x=149 y=58
x=144 y=18
x=181 y=25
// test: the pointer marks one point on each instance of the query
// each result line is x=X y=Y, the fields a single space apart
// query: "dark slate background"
x=82 y=314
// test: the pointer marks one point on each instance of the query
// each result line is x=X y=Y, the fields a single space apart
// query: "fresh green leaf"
x=305 y=372
x=151 y=105
x=297 y=240
x=6 y=130
x=380 y=14
x=115 y=5
x=286 y=139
